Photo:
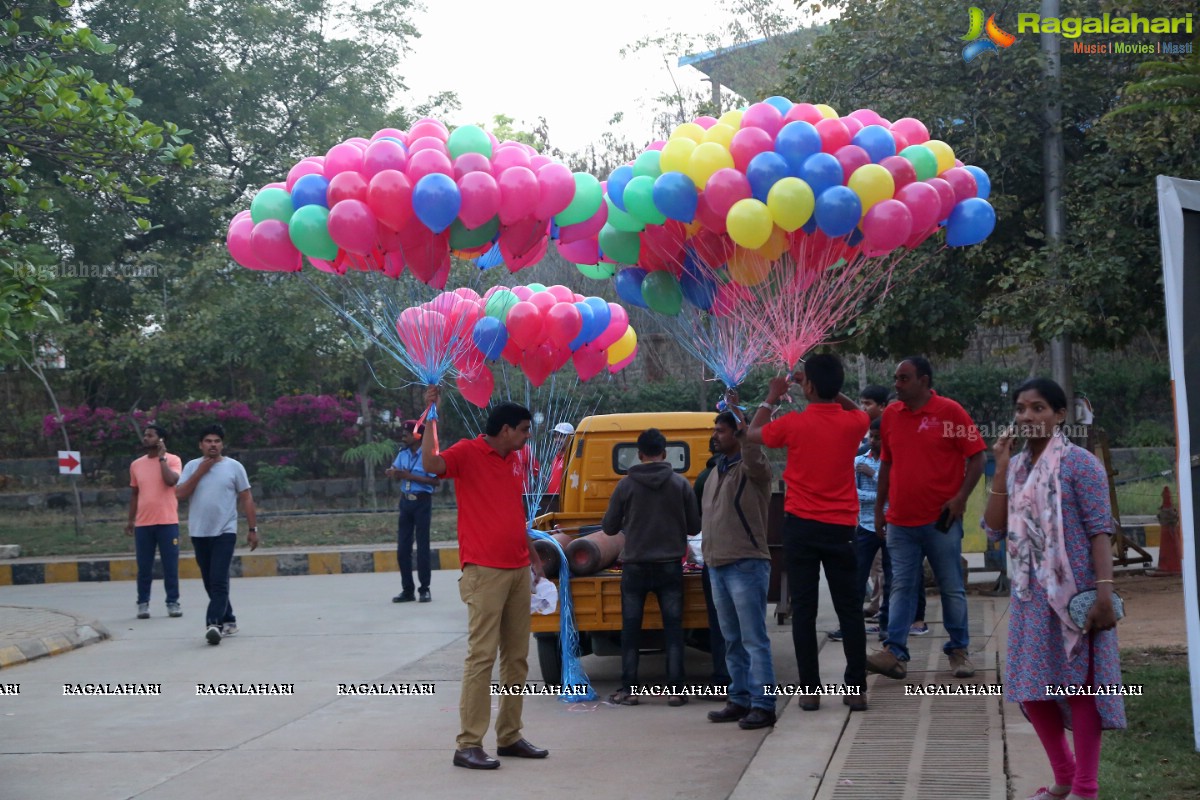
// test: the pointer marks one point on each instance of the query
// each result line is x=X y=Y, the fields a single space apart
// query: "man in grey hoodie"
x=657 y=510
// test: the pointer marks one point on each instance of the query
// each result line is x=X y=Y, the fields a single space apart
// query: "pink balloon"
x=524 y=323
x=901 y=169
x=346 y=186
x=389 y=196
x=384 y=154
x=584 y=251
x=613 y=369
x=518 y=194
x=428 y=126
x=853 y=125
x=804 y=112
x=562 y=294
x=764 y=116
x=428 y=143
x=962 y=182
x=522 y=292
x=427 y=162
x=588 y=229
x=563 y=323
x=946 y=193
x=328 y=266
x=276 y=185
x=556 y=190
x=315 y=159
x=467 y=293
x=834 y=135
x=589 y=361
x=392 y=132
x=900 y=139
x=618 y=321
x=706 y=122
x=273 y=247
x=866 y=116
x=911 y=129
x=463 y=316
x=544 y=301
x=851 y=157
x=352 y=226
x=344 y=157
x=480 y=198
x=706 y=216
x=887 y=225
x=917 y=238
x=725 y=188
x=476 y=386
x=539 y=161
x=508 y=157
x=300 y=170
x=749 y=142
x=237 y=239
x=471 y=162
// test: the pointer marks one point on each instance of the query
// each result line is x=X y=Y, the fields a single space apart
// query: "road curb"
x=73 y=633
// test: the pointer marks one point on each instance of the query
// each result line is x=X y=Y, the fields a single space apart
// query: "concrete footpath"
x=312 y=633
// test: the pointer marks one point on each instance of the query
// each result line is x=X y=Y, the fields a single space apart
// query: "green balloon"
x=536 y=287
x=648 y=164
x=600 y=272
x=464 y=238
x=621 y=220
x=639 y=200
x=469 y=139
x=497 y=305
x=661 y=292
x=271 y=204
x=619 y=245
x=585 y=203
x=922 y=159
x=309 y=231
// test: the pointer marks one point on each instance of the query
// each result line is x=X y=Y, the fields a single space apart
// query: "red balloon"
x=512 y=353
x=962 y=182
x=476 y=385
x=886 y=226
x=923 y=204
x=544 y=302
x=946 y=193
x=589 y=362
x=805 y=112
x=563 y=323
x=524 y=323
x=901 y=170
x=519 y=194
x=389 y=196
x=347 y=186
x=725 y=188
x=851 y=157
x=711 y=220
x=712 y=249
x=538 y=363
x=834 y=135
x=561 y=293
x=480 y=198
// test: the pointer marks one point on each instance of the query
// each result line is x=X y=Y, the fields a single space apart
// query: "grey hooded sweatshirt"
x=657 y=510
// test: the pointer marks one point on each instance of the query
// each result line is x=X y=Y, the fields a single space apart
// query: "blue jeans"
x=908 y=548
x=639 y=579
x=866 y=545
x=214 y=556
x=740 y=594
x=166 y=538
x=415 y=517
x=716 y=641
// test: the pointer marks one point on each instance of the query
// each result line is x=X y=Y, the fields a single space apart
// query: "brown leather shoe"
x=521 y=748
x=757 y=718
x=732 y=712
x=474 y=758
x=810 y=702
x=857 y=702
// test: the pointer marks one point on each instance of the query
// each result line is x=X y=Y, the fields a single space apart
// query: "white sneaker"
x=229 y=629
x=213 y=634
x=173 y=610
x=143 y=611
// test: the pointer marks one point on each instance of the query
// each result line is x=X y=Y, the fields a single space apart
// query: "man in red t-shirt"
x=496 y=554
x=820 y=515
x=931 y=459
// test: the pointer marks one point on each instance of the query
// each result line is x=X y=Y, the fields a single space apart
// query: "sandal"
x=1044 y=793
x=623 y=697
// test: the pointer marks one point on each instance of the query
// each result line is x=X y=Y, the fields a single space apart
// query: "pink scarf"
x=1036 y=545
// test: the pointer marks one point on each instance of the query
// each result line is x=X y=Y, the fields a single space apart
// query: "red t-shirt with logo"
x=927 y=450
x=822 y=441
x=491 y=510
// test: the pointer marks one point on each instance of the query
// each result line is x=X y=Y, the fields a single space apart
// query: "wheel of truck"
x=549 y=658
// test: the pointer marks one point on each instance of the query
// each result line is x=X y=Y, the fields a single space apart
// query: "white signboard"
x=69 y=462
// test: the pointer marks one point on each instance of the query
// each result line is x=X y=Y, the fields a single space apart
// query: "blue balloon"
x=394 y=139
x=675 y=196
x=617 y=180
x=490 y=336
x=981 y=180
x=492 y=258
x=585 y=313
x=697 y=288
x=877 y=141
x=601 y=314
x=781 y=104
x=810 y=226
x=310 y=190
x=822 y=171
x=763 y=171
x=970 y=222
x=796 y=141
x=855 y=237
x=553 y=229
x=436 y=201
x=838 y=211
x=628 y=283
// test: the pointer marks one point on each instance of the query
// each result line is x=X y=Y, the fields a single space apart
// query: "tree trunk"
x=37 y=370
x=364 y=407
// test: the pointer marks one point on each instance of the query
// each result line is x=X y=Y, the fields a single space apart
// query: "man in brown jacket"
x=734 y=505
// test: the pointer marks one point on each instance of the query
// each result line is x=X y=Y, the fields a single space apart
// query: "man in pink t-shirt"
x=154 y=518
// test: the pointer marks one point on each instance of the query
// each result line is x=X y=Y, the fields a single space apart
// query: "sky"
x=560 y=60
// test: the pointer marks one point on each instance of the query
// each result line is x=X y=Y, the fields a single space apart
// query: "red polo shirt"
x=926 y=449
x=822 y=441
x=491 y=511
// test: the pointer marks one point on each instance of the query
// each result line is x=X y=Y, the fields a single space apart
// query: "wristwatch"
x=254 y=529
x=163 y=459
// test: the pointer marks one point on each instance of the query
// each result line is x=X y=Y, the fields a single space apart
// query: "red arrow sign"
x=69 y=462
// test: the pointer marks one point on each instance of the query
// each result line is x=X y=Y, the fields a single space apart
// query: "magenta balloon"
x=582 y=251
x=427 y=162
x=522 y=292
x=300 y=170
x=946 y=193
x=273 y=246
x=834 y=135
x=561 y=293
x=853 y=125
x=901 y=170
x=428 y=143
x=887 y=225
x=563 y=323
x=428 y=127
x=524 y=323
x=480 y=198
x=725 y=188
x=657 y=144
x=237 y=239
x=556 y=190
x=866 y=116
x=912 y=129
x=392 y=132
x=962 y=182
x=343 y=157
x=851 y=157
x=923 y=204
x=518 y=194
x=352 y=227
x=749 y=142
x=618 y=321
x=764 y=116
x=316 y=159
x=381 y=155
x=389 y=196
x=509 y=157
x=275 y=185
x=537 y=162
x=803 y=112
x=359 y=142
x=471 y=162
x=588 y=229
x=327 y=266
x=706 y=122
x=544 y=301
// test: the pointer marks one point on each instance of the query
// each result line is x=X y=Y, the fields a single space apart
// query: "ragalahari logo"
x=996 y=38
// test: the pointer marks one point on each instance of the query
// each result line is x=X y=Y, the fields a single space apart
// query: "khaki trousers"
x=497 y=620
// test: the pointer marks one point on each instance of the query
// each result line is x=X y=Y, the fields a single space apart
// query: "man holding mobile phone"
x=931 y=459
x=154 y=519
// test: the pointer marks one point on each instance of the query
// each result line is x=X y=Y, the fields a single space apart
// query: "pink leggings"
x=1079 y=770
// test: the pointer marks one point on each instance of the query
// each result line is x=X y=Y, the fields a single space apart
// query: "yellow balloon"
x=688 y=130
x=731 y=118
x=706 y=159
x=826 y=111
x=675 y=155
x=692 y=228
x=748 y=267
x=622 y=348
x=873 y=184
x=749 y=223
x=776 y=246
x=791 y=203
x=721 y=134
x=943 y=152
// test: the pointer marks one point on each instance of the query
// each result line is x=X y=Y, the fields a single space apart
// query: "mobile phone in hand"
x=944 y=521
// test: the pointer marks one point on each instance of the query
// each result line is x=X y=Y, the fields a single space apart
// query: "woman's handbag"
x=1081 y=604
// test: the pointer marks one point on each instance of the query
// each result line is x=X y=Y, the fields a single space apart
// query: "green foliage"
x=274 y=478
x=373 y=454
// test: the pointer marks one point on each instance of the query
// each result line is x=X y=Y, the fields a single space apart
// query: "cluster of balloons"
x=535 y=328
x=720 y=201
x=409 y=200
